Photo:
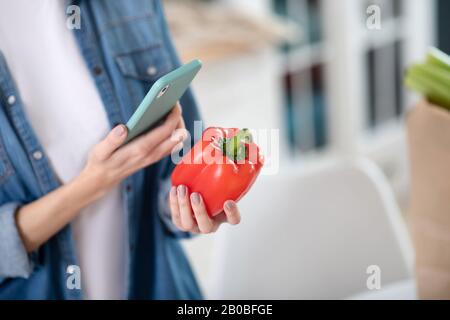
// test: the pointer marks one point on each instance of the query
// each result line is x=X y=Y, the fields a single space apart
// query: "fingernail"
x=181 y=191
x=173 y=191
x=182 y=137
x=119 y=131
x=195 y=198
x=230 y=205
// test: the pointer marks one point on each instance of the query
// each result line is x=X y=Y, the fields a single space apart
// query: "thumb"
x=115 y=138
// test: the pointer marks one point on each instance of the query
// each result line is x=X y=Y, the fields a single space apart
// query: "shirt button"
x=11 y=100
x=152 y=71
x=37 y=155
x=97 y=70
x=128 y=188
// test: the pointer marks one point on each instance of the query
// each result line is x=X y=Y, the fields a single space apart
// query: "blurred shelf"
x=304 y=57
x=363 y=96
x=214 y=32
x=393 y=30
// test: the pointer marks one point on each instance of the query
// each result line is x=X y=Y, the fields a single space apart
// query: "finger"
x=111 y=143
x=187 y=219
x=232 y=212
x=181 y=128
x=143 y=145
x=174 y=143
x=180 y=133
x=161 y=132
x=171 y=145
x=181 y=124
x=204 y=222
x=174 y=208
x=162 y=150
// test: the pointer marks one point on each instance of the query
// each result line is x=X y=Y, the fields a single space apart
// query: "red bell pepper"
x=222 y=166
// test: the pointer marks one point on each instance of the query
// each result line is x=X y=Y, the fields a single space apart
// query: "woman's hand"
x=189 y=212
x=108 y=164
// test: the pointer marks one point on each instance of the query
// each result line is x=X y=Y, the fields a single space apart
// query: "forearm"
x=40 y=220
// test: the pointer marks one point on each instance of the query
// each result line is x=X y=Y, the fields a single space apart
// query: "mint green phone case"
x=161 y=98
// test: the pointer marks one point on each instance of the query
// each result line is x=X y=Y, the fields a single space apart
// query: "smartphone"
x=161 y=98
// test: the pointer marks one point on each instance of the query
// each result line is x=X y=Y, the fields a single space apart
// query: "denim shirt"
x=119 y=40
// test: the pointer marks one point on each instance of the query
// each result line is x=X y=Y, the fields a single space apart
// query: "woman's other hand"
x=189 y=212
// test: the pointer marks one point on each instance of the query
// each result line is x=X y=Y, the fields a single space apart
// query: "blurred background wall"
x=315 y=70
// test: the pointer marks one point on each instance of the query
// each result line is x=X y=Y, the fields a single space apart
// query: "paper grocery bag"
x=429 y=148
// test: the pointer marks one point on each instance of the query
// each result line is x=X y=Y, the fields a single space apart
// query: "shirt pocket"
x=6 y=168
x=146 y=64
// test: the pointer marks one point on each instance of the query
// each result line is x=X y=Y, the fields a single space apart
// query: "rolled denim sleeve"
x=14 y=259
x=164 y=210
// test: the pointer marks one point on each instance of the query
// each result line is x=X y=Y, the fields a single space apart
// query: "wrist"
x=89 y=186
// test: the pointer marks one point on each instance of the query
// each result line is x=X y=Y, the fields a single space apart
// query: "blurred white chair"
x=312 y=235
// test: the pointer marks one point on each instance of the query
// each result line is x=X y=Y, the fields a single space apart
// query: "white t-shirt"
x=68 y=116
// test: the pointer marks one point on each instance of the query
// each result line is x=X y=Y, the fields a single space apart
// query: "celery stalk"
x=439 y=59
x=432 y=95
x=433 y=72
x=428 y=84
x=432 y=78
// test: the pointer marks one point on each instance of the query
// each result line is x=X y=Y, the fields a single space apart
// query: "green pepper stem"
x=235 y=147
